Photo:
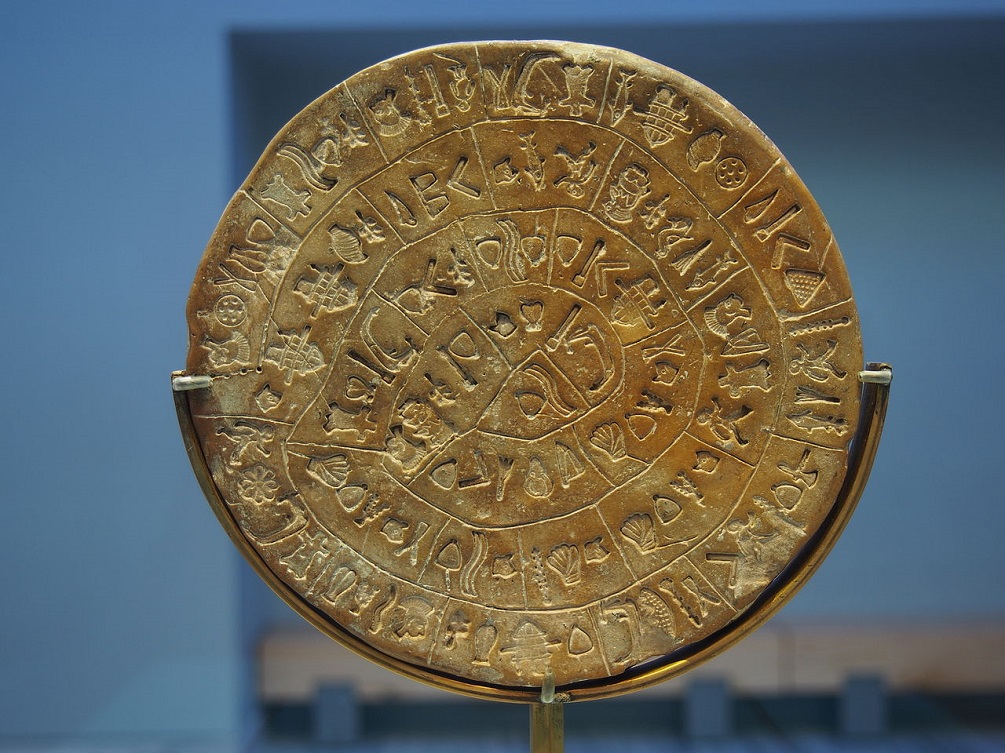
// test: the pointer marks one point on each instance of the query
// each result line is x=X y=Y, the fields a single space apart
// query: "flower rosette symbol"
x=257 y=485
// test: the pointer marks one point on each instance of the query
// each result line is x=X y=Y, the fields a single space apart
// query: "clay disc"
x=526 y=358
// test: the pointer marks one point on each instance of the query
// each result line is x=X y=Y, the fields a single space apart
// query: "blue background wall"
x=124 y=607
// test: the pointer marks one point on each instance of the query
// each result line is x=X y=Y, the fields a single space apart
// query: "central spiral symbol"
x=499 y=387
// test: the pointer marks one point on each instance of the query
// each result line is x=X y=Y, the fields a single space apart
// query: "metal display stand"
x=547 y=720
x=547 y=715
x=398 y=228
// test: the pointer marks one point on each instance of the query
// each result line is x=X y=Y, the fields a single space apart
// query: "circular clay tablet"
x=526 y=358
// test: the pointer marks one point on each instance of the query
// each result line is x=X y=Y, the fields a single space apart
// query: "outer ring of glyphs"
x=527 y=358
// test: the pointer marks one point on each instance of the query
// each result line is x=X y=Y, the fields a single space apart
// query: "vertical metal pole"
x=547 y=720
x=547 y=728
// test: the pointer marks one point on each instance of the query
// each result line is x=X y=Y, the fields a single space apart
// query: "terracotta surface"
x=525 y=358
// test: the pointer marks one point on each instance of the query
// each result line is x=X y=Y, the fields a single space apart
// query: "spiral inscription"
x=526 y=358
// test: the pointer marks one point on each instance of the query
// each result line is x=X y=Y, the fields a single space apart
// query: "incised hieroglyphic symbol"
x=526 y=358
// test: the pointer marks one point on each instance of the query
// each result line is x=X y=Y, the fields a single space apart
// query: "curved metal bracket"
x=546 y=703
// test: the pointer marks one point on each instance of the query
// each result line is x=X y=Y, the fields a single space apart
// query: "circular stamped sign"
x=526 y=359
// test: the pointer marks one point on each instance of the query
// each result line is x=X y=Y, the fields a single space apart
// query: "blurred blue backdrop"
x=126 y=126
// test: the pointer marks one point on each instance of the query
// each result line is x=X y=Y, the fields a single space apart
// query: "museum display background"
x=126 y=128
